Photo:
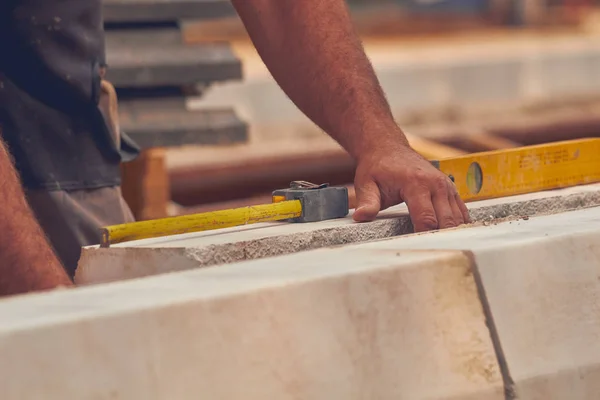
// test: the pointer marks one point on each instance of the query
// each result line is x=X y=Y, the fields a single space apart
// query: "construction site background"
x=454 y=71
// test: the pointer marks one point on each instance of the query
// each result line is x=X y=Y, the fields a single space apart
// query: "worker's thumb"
x=368 y=201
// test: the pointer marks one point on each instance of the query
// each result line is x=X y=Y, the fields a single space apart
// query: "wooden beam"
x=433 y=150
x=380 y=20
x=478 y=142
x=577 y=124
x=145 y=185
x=245 y=175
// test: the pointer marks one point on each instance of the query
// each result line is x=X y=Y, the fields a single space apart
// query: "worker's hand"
x=388 y=177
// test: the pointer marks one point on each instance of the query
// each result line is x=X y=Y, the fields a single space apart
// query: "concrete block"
x=545 y=299
x=328 y=324
x=181 y=252
x=540 y=281
x=468 y=313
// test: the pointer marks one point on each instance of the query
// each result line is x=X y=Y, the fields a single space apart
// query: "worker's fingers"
x=441 y=203
x=368 y=199
x=463 y=208
x=422 y=211
x=456 y=212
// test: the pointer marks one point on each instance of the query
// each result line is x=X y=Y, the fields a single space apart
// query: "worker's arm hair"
x=313 y=52
x=27 y=262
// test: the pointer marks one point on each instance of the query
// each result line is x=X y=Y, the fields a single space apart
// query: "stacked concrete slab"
x=505 y=308
x=155 y=72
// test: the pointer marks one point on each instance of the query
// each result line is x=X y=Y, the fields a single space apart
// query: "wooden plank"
x=164 y=10
x=157 y=57
x=167 y=123
x=245 y=176
x=540 y=122
x=369 y=20
x=240 y=173
x=145 y=185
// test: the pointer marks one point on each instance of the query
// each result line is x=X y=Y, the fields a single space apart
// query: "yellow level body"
x=201 y=222
x=523 y=170
x=477 y=176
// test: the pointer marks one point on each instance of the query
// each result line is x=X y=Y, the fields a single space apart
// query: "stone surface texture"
x=181 y=252
x=541 y=279
x=506 y=310
x=333 y=324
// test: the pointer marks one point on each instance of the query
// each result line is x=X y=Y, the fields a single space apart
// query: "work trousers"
x=72 y=219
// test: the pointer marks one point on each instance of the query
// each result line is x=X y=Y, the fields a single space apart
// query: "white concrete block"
x=545 y=299
x=181 y=252
x=329 y=324
x=423 y=316
x=541 y=279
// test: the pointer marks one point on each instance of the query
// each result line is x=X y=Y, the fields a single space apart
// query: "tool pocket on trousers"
x=109 y=107
x=108 y=103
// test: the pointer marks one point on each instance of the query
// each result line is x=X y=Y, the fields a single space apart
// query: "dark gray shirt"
x=51 y=52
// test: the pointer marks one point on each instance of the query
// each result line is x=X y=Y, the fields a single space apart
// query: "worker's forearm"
x=27 y=262
x=312 y=50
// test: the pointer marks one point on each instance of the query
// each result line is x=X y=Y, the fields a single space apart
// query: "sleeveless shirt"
x=51 y=56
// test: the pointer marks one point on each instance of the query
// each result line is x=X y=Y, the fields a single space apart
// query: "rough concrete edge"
x=89 y=270
x=153 y=262
x=379 y=229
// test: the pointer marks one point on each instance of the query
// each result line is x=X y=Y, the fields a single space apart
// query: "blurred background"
x=461 y=76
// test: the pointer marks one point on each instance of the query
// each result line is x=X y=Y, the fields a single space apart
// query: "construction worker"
x=27 y=261
x=55 y=119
